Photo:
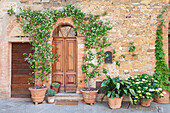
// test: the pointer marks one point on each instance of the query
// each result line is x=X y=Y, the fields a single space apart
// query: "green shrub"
x=51 y=93
x=55 y=85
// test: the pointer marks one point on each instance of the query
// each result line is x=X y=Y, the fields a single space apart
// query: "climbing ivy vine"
x=161 y=69
x=38 y=25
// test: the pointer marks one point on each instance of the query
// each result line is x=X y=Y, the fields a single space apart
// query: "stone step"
x=69 y=96
x=79 y=97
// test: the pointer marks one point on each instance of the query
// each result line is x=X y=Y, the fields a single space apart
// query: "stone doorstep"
x=79 y=97
x=69 y=96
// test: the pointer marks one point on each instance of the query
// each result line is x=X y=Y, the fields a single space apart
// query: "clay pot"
x=146 y=103
x=56 y=89
x=89 y=96
x=115 y=102
x=50 y=99
x=163 y=100
x=38 y=95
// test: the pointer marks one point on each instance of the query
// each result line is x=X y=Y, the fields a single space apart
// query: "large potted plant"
x=40 y=65
x=50 y=96
x=145 y=88
x=161 y=69
x=36 y=25
x=114 y=89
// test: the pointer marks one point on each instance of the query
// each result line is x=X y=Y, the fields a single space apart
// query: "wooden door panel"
x=70 y=67
x=59 y=78
x=20 y=79
x=58 y=67
x=64 y=70
x=70 y=55
x=58 y=46
x=20 y=71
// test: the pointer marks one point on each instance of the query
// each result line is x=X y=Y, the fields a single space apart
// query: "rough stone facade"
x=132 y=21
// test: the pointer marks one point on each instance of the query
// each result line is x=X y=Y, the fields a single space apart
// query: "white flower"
x=157 y=90
x=160 y=89
x=146 y=87
x=151 y=90
x=139 y=91
x=137 y=82
x=164 y=92
x=143 y=79
x=148 y=93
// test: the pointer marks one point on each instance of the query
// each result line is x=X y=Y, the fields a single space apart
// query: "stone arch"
x=67 y=20
x=13 y=28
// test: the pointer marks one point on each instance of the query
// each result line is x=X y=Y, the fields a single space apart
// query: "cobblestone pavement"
x=12 y=106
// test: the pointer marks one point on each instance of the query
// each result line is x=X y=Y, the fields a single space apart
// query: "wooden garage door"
x=20 y=71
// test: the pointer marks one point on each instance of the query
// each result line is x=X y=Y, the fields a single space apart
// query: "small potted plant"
x=56 y=86
x=145 y=88
x=50 y=96
x=114 y=89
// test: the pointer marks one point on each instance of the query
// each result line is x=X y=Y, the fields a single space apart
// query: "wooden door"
x=65 y=71
x=20 y=71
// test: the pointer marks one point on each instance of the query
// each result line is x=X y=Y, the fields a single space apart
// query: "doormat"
x=66 y=102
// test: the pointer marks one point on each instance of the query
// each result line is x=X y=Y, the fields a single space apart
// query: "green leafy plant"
x=132 y=48
x=51 y=93
x=10 y=12
x=161 y=69
x=55 y=84
x=113 y=87
x=144 y=87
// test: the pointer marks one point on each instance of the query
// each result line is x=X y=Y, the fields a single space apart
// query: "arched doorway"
x=65 y=69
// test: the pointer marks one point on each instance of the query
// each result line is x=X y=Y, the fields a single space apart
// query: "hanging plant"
x=161 y=69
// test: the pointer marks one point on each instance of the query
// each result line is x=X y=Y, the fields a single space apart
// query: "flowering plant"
x=144 y=86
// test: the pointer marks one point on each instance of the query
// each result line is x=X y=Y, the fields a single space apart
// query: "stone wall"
x=132 y=21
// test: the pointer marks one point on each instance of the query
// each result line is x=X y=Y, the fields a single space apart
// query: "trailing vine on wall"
x=38 y=25
x=132 y=48
x=161 y=69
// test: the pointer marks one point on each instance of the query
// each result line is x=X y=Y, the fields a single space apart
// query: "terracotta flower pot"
x=89 y=96
x=56 y=89
x=115 y=102
x=38 y=95
x=146 y=103
x=163 y=100
x=50 y=100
